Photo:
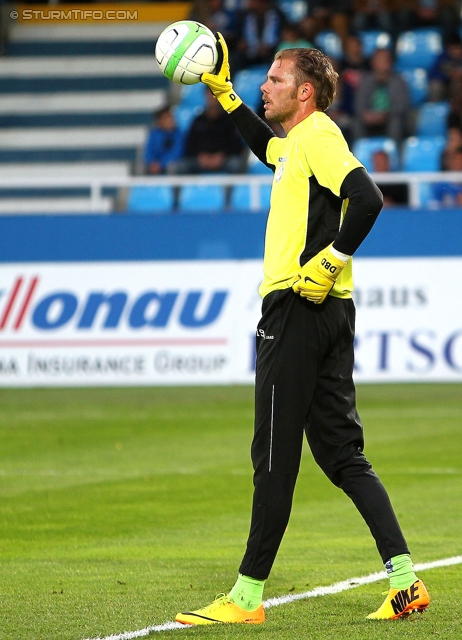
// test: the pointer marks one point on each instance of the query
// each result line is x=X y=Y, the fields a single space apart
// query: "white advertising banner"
x=408 y=320
x=155 y=323
x=128 y=323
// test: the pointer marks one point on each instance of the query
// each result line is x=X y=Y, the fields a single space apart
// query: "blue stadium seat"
x=432 y=119
x=241 y=196
x=256 y=167
x=184 y=115
x=294 y=10
x=247 y=83
x=417 y=81
x=426 y=198
x=200 y=198
x=373 y=39
x=265 y=195
x=329 y=43
x=423 y=153
x=193 y=95
x=418 y=48
x=364 y=149
x=150 y=199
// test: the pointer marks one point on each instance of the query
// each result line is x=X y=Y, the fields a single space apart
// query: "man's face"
x=280 y=91
x=166 y=121
x=455 y=164
x=455 y=51
x=381 y=61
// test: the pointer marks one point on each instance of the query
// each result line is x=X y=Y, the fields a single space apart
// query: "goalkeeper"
x=323 y=205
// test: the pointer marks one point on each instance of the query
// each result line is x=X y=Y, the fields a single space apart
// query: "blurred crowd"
x=373 y=98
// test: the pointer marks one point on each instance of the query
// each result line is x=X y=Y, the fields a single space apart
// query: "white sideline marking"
x=345 y=585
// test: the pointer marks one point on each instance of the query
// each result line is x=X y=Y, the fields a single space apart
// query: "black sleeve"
x=365 y=203
x=255 y=132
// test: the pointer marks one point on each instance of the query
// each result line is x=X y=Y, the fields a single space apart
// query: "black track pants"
x=304 y=384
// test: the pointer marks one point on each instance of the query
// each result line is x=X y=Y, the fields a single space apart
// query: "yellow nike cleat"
x=400 y=603
x=222 y=610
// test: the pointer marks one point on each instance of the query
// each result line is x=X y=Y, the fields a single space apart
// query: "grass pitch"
x=120 y=507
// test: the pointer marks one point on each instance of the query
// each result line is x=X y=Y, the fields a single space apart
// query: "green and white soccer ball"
x=185 y=50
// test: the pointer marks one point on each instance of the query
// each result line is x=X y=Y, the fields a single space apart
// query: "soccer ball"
x=185 y=50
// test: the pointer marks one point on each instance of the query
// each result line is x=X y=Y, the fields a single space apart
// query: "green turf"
x=120 y=507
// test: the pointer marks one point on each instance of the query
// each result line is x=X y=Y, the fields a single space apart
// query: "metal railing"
x=96 y=185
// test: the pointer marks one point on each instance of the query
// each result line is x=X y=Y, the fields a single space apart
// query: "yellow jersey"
x=306 y=210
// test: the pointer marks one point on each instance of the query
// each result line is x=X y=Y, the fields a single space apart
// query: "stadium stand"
x=432 y=119
x=417 y=81
x=184 y=115
x=192 y=96
x=242 y=197
x=330 y=43
x=147 y=199
x=294 y=10
x=372 y=40
x=198 y=198
x=418 y=48
x=423 y=153
x=364 y=149
x=255 y=167
x=247 y=84
x=76 y=100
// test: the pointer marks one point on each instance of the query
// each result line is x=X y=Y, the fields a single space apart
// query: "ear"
x=305 y=91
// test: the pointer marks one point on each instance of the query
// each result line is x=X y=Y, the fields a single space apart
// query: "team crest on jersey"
x=280 y=170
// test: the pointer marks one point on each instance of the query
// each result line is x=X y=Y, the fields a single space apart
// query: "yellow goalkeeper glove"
x=318 y=276
x=220 y=84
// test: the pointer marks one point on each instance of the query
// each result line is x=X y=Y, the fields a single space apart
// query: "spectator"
x=447 y=69
x=382 y=101
x=258 y=34
x=308 y=28
x=373 y=14
x=353 y=59
x=449 y=194
x=217 y=16
x=291 y=38
x=443 y=14
x=213 y=144
x=339 y=111
x=332 y=14
x=394 y=193
x=455 y=106
x=164 y=144
x=453 y=142
x=350 y=68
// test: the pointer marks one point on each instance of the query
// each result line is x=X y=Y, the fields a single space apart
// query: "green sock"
x=401 y=572
x=247 y=593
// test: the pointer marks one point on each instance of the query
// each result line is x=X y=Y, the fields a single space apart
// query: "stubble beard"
x=281 y=115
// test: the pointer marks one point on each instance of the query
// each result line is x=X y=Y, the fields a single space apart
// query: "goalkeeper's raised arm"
x=253 y=129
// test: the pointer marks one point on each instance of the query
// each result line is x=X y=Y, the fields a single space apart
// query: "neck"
x=292 y=122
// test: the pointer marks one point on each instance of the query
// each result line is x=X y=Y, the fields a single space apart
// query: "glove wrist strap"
x=339 y=255
x=229 y=101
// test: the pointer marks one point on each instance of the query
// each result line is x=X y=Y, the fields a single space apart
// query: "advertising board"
x=193 y=322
